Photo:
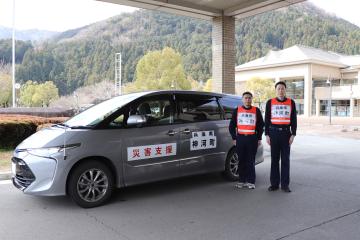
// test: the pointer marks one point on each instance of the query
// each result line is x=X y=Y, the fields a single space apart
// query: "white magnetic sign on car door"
x=151 y=151
x=202 y=140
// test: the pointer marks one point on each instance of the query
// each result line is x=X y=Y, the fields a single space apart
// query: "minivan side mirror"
x=136 y=120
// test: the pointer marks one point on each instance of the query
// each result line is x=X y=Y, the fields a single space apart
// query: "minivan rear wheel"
x=90 y=184
x=231 y=166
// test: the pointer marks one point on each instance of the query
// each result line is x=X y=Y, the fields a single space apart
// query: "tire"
x=90 y=184
x=231 y=166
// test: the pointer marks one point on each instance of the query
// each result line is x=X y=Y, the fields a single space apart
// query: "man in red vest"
x=246 y=128
x=280 y=130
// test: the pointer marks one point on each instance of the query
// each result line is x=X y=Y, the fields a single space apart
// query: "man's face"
x=247 y=99
x=280 y=91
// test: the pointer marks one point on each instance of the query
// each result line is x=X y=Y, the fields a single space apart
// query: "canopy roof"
x=207 y=9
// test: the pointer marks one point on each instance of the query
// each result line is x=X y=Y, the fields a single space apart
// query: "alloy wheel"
x=92 y=185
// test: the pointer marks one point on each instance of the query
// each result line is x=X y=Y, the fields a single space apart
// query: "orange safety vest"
x=246 y=120
x=280 y=112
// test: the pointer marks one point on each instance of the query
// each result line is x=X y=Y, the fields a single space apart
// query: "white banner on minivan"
x=151 y=151
x=202 y=140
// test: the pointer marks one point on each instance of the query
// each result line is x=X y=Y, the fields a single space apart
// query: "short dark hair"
x=280 y=82
x=247 y=93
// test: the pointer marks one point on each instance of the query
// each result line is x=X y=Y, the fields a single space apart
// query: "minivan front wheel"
x=231 y=166
x=90 y=184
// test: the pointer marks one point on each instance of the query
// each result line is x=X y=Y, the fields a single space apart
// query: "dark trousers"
x=280 y=147
x=246 y=147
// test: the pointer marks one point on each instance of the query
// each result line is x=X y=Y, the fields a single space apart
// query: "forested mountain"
x=26 y=35
x=86 y=55
x=6 y=50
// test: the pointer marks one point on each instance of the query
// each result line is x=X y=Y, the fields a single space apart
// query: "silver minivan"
x=127 y=140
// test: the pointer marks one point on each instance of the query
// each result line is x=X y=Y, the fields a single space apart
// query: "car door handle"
x=171 y=133
x=186 y=131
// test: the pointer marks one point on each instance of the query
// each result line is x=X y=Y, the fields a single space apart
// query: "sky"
x=61 y=15
x=346 y=9
x=57 y=15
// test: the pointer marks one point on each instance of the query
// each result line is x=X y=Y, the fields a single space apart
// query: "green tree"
x=130 y=88
x=262 y=89
x=33 y=94
x=5 y=90
x=26 y=93
x=208 y=85
x=45 y=93
x=161 y=70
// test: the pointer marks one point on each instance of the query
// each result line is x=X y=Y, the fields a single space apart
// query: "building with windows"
x=319 y=81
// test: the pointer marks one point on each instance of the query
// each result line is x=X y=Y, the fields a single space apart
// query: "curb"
x=5 y=176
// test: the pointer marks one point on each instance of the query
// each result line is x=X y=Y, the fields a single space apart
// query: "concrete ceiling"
x=207 y=9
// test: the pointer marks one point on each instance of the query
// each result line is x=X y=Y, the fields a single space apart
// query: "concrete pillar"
x=223 y=54
x=352 y=103
x=317 y=107
x=308 y=91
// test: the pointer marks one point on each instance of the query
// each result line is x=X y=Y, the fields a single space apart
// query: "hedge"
x=47 y=112
x=15 y=128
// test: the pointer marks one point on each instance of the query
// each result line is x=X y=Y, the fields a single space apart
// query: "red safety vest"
x=280 y=112
x=246 y=120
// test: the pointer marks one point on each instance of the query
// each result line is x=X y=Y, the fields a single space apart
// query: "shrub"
x=15 y=128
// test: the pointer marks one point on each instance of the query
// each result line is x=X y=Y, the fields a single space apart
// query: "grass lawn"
x=5 y=160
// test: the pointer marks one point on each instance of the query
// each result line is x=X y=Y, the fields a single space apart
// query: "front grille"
x=23 y=175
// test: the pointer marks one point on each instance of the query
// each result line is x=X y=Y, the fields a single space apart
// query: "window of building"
x=347 y=82
x=299 y=108
x=318 y=82
x=340 y=108
x=357 y=108
x=295 y=90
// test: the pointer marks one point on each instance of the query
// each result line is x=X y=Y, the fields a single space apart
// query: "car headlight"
x=49 y=151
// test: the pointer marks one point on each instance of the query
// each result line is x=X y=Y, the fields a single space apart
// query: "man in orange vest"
x=280 y=130
x=246 y=128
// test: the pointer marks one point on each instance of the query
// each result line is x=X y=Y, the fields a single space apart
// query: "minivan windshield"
x=92 y=116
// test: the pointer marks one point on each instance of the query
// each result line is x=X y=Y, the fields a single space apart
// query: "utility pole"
x=118 y=74
x=13 y=58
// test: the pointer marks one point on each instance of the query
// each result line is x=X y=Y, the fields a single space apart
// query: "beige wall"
x=272 y=73
x=338 y=93
x=325 y=71
x=350 y=75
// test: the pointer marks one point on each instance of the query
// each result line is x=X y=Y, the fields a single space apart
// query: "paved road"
x=324 y=204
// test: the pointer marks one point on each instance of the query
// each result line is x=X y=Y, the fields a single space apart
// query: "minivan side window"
x=158 y=111
x=197 y=108
x=229 y=104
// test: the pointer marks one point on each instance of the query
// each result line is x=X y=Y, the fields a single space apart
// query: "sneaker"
x=240 y=185
x=251 y=186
